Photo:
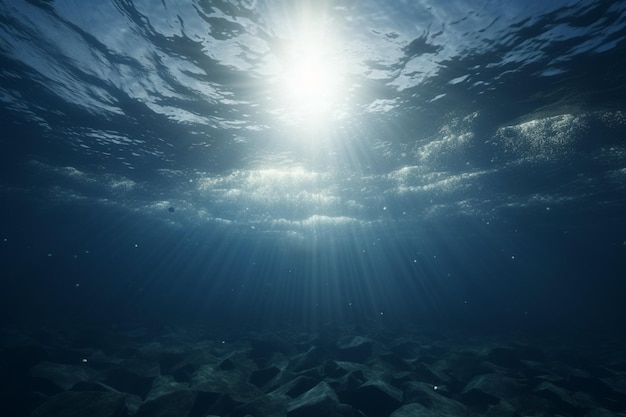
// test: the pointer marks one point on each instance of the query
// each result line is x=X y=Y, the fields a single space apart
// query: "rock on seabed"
x=287 y=375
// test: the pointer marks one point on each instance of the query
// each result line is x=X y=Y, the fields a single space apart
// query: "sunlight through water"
x=310 y=81
x=311 y=85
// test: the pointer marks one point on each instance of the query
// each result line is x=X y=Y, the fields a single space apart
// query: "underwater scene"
x=312 y=208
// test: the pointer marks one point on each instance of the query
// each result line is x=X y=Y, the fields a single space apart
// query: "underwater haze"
x=268 y=163
x=313 y=208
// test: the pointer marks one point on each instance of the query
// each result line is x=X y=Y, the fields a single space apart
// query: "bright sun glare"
x=311 y=85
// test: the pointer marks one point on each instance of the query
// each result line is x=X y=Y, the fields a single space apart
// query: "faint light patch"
x=163 y=206
x=255 y=128
x=551 y=72
x=406 y=174
x=546 y=202
x=317 y=220
x=122 y=184
x=458 y=80
x=377 y=74
x=448 y=141
x=384 y=148
x=106 y=144
x=353 y=206
x=301 y=234
x=453 y=136
x=267 y=194
x=469 y=208
x=618 y=175
x=64 y=194
x=415 y=73
x=248 y=4
x=8 y=96
x=410 y=180
x=478 y=84
x=382 y=105
x=74 y=173
x=437 y=97
x=544 y=137
x=612 y=119
x=103 y=137
x=226 y=124
x=23 y=108
x=73 y=183
x=177 y=114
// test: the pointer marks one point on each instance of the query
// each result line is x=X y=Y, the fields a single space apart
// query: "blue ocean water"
x=255 y=164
